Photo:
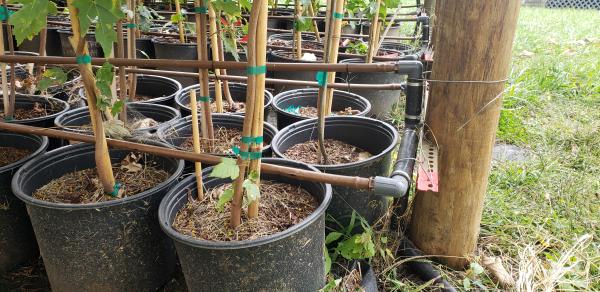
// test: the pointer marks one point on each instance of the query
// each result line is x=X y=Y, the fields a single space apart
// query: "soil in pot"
x=9 y=155
x=36 y=111
x=83 y=187
x=238 y=107
x=338 y=152
x=312 y=112
x=282 y=206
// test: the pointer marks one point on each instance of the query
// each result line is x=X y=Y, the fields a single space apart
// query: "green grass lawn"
x=542 y=215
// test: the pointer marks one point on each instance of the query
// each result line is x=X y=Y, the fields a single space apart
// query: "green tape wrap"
x=131 y=25
x=201 y=10
x=5 y=13
x=9 y=119
x=203 y=98
x=84 y=59
x=252 y=140
x=116 y=189
x=338 y=15
x=321 y=78
x=247 y=155
x=256 y=70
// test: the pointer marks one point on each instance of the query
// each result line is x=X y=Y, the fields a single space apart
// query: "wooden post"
x=474 y=43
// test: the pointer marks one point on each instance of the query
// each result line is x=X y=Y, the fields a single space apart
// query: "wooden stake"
x=333 y=52
x=196 y=144
x=11 y=49
x=297 y=33
x=214 y=45
x=373 y=34
x=201 y=45
x=122 y=77
x=311 y=13
x=132 y=53
x=8 y=106
x=463 y=117
x=42 y=50
x=224 y=71
x=102 y=157
x=180 y=23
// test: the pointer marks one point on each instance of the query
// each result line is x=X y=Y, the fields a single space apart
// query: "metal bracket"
x=427 y=176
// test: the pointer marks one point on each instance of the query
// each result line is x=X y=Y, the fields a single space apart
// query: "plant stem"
x=42 y=50
x=196 y=144
x=207 y=127
x=102 y=157
x=212 y=23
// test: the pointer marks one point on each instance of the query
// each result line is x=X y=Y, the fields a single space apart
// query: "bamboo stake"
x=102 y=157
x=180 y=23
x=373 y=33
x=297 y=33
x=132 y=49
x=333 y=51
x=8 y=106
x=201 y=47
x=11 y=49
x=212 y=23
x=196 y=144
x=311 y=13
x=42 y=50
x=122 y=77
x=224 y=71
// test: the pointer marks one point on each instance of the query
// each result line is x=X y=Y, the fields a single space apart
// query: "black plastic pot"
x=382 y=101
x=237 y=72
x=107 y=246
x=67 y=50
x=405 y=49
x=278 y=56
x=291 y=260
x=176 y=51
x=237 y=90
x=53 y=43
x=17 y=241
x=74 y=119
x=6 y=37
x=288 y=36
x=308 y=97
x=374 y=136
x=53 y=105
x=161 y=89
x=395 y=30
x=144 y=48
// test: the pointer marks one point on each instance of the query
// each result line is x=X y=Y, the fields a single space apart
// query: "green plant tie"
x=256 y=70
x=131 y=25
x=84 y=59
x=247 y=155
x=116 y=189
x=203 y=98
x=9 y=119
x=5 y=13
x=338 y=15
x=252 y=140
x=322 y=78
x=201 y=10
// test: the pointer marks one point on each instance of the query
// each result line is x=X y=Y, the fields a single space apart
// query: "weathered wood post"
x=474 y=43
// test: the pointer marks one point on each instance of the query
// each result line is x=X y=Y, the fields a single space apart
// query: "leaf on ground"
x=499 y=273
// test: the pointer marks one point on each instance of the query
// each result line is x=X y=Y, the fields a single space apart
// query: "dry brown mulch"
x=37 y=111
x=83 y=187
x=9 y=155
x=281 y=207
x=238 y=107
x=338 y=152
x=312 y=112
x=225 y=138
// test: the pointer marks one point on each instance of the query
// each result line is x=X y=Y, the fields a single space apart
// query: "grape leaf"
x=224 y=198
x=31 y=18
x=52 y=76
x=230 y=46
x=106 y=13
x=252 y=190
x=227 y=168
x=302 y=24
x=228 y=7
x=117 y=107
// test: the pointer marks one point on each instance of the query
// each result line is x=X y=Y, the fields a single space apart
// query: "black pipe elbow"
x=425 y=30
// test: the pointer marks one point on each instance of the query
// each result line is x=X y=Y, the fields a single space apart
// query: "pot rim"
x=183 y=92
x=49 y=99
x=282 y=94
x=43 y=146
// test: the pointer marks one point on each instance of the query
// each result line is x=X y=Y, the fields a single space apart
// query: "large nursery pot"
x=17 y=241
x=394 y=31
x=74 y=119
x=177 y=132
x=94 y=47
x=382 y=101
x=290 y=37
x=115 y=245
x=174 y=50
x=53 y=106
x=308 y=97
x=159 y=89
x=374 y=136
x=301 y=75
x=53 y=44
x=291 y=260
x=237 y=90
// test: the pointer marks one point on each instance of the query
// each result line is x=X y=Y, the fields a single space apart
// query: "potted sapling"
x=93 y=208
x=219 y=219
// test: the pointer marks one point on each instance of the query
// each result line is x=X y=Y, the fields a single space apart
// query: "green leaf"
x=331 y=285
x=253 y=176
x=476 y=268
x=117 y=107
x=105 y=13
x=31 y=18
x=52 y=76
x=252 y=190
x=227 y=168
x=224 y=198
x=302 y=24
x=176 y=18
x=229 y=7
x=467 y=284
x=333 y=236
x=327 y=260
x=230 y=45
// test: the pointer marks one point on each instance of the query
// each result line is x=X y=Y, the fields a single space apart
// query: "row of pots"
x=118 y=245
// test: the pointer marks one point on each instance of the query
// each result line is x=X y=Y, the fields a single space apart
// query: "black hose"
x=423 y=269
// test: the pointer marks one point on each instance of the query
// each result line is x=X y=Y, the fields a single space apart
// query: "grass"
x=542 y=215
